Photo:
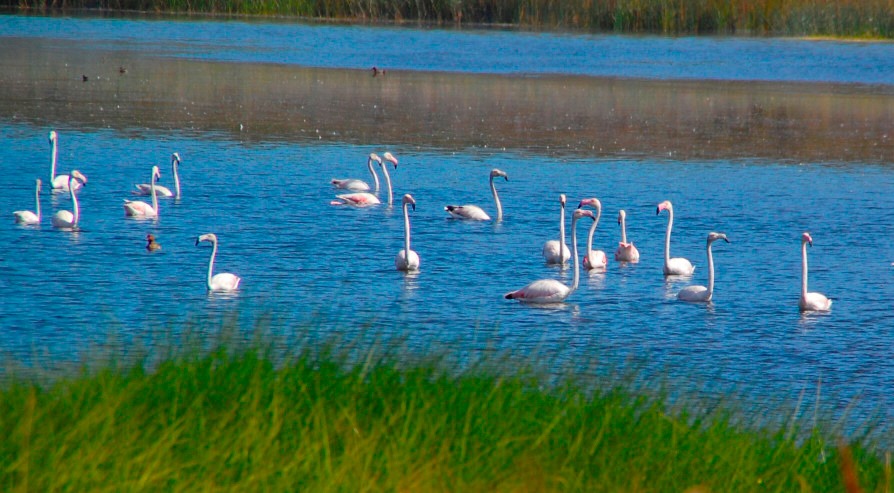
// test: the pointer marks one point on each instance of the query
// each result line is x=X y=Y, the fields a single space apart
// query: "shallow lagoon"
x=766 y=162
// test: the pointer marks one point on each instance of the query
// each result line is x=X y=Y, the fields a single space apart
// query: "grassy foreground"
x=239 y=421
x=837 y=18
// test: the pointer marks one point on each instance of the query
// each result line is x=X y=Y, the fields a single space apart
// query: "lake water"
x=762 y=175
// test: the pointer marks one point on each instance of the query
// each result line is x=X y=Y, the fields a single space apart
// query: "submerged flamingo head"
x=805 y=238
x=390 y=157
x=664 y=205
x=408 y=199
x=496 y=172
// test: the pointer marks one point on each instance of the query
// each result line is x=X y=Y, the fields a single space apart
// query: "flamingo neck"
x=593 y=230
x=623 y=230
x=710 y=273
x=562 y=235
x=76 y=213
x=211 y=262
x=803 y=269
x=154 y=195
x=372 y=169
x=53 y=163
x=37 y=201
x=667 y=235
x=388 y=182
x=407 y=233
x=176 y=178
x=576 y=278
x=493 y=190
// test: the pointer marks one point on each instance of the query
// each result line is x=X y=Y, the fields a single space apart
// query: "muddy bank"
x=48 y=82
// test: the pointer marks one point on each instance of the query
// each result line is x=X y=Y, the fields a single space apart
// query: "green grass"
x=864 y=19
x=376 y=421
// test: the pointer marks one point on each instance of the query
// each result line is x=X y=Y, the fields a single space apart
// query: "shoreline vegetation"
x=849 y=19
x=371 y=417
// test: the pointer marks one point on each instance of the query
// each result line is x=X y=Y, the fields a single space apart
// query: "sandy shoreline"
x=44 y=84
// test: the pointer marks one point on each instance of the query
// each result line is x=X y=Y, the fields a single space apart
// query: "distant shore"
x=852 y=20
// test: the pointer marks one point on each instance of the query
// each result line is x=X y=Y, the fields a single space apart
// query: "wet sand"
x=43 y=84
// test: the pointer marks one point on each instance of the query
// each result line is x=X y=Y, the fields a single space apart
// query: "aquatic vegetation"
x=385 y=421
x=853 y=18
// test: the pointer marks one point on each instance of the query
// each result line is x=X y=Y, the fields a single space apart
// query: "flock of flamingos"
x=360 y=194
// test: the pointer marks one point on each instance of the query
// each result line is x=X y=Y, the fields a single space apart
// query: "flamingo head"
x=562 y=199
x=621 y=216
x=390 y=158
x=150 y=238
x=805 y=238
x=712 y=237
x=664 y=205
x=77 y=175
x=579 y=213
x=591 y=201
x=52 y=136
x=39 y=183
x=207 y=237
x=175 y=158
x=408 y=199
x=373 y=157
x=497 y=172
x=156 y=173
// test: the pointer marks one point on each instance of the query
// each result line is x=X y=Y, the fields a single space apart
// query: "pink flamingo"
x=594 y=259
x=366 y=199
x=475 y=213
x=677 y=266
x=626 y=252
x=810 y=301
x=356 y=185
x=551 y=290
x=218 y=282
x=135 y=208
x=407 y=259
x=28 y=217
x=60 y=183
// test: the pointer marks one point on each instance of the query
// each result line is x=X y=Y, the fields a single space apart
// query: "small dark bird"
x=84 y=78
x=151 y=244
x=376 y=71
x=122 y=70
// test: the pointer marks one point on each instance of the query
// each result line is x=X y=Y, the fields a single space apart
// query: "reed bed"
x=379 y=420
x=837 y=18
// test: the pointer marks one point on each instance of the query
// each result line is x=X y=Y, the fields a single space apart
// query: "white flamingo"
x=28 y=217
x=66 y=219
x=356 y=185
x=626 y=252
x=135 y=208
x=551 y=290
x=60 y=183
x=701 y=293
x=677 y=266
x=407 y=259
x=163 y=192
x=475 y=213
x=218 y=282
x=556 y=251
x=366 y=199
x=594 y=259
x=810 y=301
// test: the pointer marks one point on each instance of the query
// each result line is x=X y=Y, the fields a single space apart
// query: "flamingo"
x=28 y=217
x=550 y=290
x=407 y=260
x=810 y=301
x=133 y=208
x=475 y=213
x=594 y=259
x=677 y=266
x=60 y=183
x=163 y=192
x=366 y=199
x=356 y=185
x=626 y=252
x=219 y=282
x=556 y=251
x=66 y=219
x=701 y=293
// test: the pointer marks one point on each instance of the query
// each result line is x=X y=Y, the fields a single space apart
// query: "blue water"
x=478 y=51
x=305 y=263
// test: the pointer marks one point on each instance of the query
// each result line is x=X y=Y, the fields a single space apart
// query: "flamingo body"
x=810 y=301
x=224 y=281
x=673 y=266
x=550 y=290
x=357 y=199
x=475 y=213
x=702 y=293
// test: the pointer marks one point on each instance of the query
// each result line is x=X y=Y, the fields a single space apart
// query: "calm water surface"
x=305 y=262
